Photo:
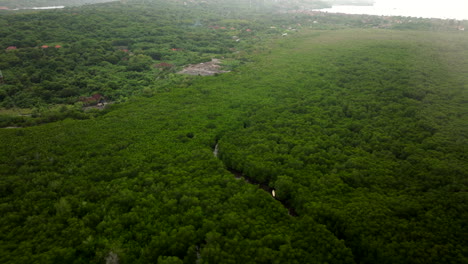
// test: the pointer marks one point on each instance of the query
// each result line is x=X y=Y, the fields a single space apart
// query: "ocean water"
x=446 y=9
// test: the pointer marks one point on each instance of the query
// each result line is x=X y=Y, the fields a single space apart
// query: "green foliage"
x=108 y=49
x=347 y=140
x=360 y=132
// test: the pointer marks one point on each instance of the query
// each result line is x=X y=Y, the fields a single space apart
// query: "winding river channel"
x=239 y=175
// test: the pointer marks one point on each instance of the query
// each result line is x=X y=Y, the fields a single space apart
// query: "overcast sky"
x=454 y=9
x=429 y=3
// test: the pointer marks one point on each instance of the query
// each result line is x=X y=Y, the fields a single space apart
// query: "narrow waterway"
x=239 y=175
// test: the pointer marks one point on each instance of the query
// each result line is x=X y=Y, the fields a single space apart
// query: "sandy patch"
x=203 y=69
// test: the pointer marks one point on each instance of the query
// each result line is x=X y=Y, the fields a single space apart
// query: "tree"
x=139 y=63
x=284 y=188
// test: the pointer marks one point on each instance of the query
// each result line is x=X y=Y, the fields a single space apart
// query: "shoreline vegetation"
x=349 y=133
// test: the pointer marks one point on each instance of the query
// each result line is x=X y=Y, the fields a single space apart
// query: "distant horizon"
x=449 y=9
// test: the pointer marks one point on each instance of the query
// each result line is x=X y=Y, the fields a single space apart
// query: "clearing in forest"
x=203 y=69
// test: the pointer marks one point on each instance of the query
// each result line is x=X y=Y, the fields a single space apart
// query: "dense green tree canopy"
x=361 y=133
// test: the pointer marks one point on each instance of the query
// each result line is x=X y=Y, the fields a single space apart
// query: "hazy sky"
x=434 y=4
x=454 y=9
